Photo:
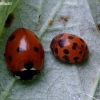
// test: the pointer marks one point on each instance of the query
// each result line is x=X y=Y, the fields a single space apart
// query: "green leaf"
x=6 y=7
x=95 y=10
x=57 y=80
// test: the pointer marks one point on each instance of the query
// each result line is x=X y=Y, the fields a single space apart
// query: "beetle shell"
x=69 y=48
x=24 y=54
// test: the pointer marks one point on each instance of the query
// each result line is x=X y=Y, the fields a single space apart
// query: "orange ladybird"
x=24 y=54
x=69 y=48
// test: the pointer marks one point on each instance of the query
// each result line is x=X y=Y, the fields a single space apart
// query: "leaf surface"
x=57 y=80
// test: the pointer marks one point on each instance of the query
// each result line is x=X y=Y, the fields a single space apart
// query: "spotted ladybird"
x=24 y=54
x=69 y=48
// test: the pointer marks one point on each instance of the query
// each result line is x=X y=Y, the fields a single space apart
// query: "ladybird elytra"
x=69 y=48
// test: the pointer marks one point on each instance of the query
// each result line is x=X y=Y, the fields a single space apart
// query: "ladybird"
x=24 y=54
x=69 y=48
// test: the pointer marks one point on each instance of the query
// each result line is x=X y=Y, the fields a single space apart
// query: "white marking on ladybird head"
x=23 y=69
x=32 y=68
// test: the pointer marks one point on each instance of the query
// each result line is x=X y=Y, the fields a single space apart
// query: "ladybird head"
x=28 y=72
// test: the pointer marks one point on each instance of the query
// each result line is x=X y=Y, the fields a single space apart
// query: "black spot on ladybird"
x=58 y=57
x=76 y=58
x=71 y=36
x=80 y=52
x=11 y=37
x=9 y=20
x=9 y=58
x=66 y=58
x=19 y=49
x=74 y=46
x=62 y=42
x=36 y=49
x=56 y=50
x=66 y=51
x=82 y=46
x=28 y=65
